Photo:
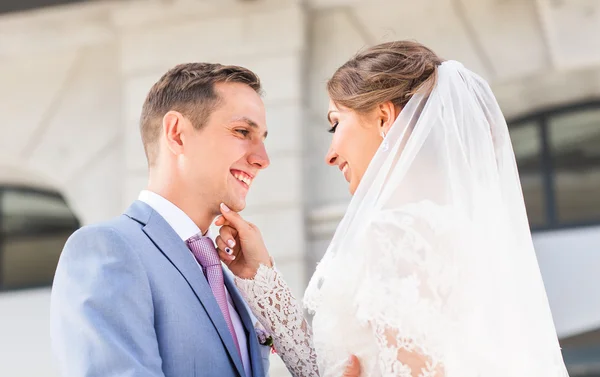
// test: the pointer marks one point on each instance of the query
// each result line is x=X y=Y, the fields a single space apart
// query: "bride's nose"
x=331 y=157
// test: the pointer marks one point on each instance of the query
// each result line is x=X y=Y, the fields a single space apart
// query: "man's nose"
x=259 y=158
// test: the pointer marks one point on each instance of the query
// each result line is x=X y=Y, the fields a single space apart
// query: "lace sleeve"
x=279 y=312
x=407 y=296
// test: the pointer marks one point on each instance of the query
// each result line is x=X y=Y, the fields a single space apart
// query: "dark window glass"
x=527 y=146
x=575 y=148
x=22 y=5
x=558 y=155
x=35 y=227
x=582 y=354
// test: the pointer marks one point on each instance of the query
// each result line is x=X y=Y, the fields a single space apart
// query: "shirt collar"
x=173 y=215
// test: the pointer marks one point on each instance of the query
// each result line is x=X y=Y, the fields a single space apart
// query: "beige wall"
x=73 y=79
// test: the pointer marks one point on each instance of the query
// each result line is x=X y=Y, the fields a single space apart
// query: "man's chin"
x=236 y=205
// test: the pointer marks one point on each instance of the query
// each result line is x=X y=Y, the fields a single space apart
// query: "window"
x=575 y=147
x=581 y=354
x=22 y=5
x=558 y=155
x=528 y=150
x=34 y=228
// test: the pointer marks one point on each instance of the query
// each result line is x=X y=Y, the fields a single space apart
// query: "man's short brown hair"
x=189 y=89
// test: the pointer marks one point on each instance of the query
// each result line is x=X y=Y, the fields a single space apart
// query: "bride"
x=432 y=270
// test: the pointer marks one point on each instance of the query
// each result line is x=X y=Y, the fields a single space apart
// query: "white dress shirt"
x=186 y=228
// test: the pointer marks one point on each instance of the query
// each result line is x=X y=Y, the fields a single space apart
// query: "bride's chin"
x=351 y=189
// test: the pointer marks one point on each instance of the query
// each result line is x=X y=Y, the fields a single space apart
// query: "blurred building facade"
x=73 y=78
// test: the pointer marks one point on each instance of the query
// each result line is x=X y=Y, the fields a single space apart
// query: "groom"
x=144 y=294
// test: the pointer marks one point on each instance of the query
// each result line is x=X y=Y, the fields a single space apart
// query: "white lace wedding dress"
x=362 y=314
x=432 y=270
x=341 y=330
x=409 y=310
x=278 y=311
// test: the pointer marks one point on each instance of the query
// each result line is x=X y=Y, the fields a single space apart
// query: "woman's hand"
x=240 y=244
x=353 y=368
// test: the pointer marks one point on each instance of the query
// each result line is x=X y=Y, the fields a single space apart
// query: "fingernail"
x=228 y=250
x=350 y=361
x=231 y=243
x=233 y=257
x=224 y=207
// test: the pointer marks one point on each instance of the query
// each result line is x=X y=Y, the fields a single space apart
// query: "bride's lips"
x=345 y=169
x=245 y=179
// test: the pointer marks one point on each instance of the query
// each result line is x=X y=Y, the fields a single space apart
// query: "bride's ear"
x=388 y=112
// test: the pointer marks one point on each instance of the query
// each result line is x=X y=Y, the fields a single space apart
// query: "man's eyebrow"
x=251 y=123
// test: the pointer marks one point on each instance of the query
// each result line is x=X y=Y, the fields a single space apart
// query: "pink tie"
x=206 y=254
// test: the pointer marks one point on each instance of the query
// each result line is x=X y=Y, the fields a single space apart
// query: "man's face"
x=229 y=151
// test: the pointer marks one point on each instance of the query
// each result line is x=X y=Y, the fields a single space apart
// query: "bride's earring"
x=384 y=143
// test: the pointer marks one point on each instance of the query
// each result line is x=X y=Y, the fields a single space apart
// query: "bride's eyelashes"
x=332 y=129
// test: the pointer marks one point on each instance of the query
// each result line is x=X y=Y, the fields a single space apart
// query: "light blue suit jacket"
x=128 y=299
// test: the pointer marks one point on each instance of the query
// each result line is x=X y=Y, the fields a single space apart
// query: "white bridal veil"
x=434 y=253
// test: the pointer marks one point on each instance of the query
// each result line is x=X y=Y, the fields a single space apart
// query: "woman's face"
x=356 y=138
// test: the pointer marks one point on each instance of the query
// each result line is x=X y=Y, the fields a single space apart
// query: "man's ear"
x=172 y=129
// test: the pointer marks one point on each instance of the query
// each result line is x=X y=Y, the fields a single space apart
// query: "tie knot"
x=204 y=250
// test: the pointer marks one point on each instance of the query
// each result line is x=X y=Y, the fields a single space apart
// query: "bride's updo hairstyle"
x=391 y=71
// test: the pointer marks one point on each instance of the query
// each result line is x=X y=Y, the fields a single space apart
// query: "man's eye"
x=243 y=132
x=332 y=129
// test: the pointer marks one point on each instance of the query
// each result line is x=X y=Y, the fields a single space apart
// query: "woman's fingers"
x=225 y=252
x=352 y=367
x=235 y=220
x=225 y=258
x=229 y=235
x=220 y=221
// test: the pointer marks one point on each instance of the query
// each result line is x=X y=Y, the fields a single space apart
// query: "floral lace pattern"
x=406 y=308
x=392 y=352
x=407 y=299
x=280 y=313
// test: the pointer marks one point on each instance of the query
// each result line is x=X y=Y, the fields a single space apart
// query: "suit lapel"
x=176 y=251
x=243 y=311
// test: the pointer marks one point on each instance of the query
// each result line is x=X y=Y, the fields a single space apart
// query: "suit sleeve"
x=102 y=318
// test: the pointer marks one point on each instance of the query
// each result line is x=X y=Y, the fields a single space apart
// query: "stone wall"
x=73 y=79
